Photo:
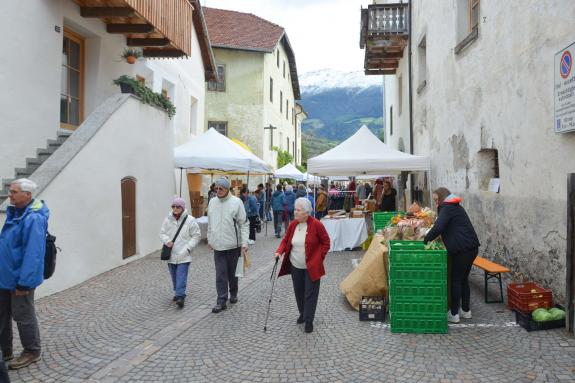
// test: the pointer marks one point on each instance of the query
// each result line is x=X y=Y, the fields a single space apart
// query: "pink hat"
x=178 y=201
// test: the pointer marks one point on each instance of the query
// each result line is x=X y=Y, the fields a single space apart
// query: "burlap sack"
x=370 y=277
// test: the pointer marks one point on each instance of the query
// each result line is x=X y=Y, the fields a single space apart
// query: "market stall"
x=289 y=171
x=345 y=233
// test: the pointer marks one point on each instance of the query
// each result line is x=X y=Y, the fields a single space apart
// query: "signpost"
x=564 y=91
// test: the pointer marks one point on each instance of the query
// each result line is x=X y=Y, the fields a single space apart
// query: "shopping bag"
x=240 y=267
x=247 y=261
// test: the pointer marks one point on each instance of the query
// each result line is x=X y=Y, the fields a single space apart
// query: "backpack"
x=50 y=255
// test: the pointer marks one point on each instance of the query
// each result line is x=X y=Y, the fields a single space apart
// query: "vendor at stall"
x=388 y=197
x=461 y=242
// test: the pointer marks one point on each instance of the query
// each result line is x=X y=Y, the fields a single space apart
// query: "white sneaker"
x=251 y=242
x=452 y=318
x=465 y=314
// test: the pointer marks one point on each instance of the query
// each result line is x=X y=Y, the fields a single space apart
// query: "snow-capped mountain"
x=321 y=80
x=337 y=104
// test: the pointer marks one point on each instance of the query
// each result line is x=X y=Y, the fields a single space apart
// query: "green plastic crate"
x=418 y=323
x=418 y=308
x=382 y=218
x=401 y=290
x=418 y=257
x=418 y=271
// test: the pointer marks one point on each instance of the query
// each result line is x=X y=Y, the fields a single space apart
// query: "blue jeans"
x=179 y=275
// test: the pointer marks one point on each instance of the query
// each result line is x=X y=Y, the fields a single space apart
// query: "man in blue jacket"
x=22 y=250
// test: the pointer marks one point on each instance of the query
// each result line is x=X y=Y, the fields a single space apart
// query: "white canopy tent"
x=364 y=154
x=311 y=179
x=213 y=152
x=289 y=171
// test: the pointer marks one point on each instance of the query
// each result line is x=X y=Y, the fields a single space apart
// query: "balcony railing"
x=163 y=28
x=387 y=19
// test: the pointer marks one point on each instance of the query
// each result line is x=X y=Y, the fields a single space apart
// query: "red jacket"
x=316 y=247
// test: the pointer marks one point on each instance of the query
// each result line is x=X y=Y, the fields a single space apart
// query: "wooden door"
x=128 y=217
x=72 y=81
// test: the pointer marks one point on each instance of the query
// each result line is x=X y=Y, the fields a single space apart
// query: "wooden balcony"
x=384 y=35
x=161 y=28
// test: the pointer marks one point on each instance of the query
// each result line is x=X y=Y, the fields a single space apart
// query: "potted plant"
x=145 y=94
x=127 y=84
x=131 y=55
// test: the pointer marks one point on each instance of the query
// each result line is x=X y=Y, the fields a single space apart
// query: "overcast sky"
x=323 y=33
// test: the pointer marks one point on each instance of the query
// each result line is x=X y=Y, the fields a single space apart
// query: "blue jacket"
x=310 y=197
x=251 y=205
x=278 y=201
x=290 y=198
x=23 y=246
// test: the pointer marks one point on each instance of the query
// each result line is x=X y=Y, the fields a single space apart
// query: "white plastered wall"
x=85 y=198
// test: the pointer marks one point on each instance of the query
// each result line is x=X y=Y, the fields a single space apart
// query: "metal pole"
x=273 y=279
x=181 y=172
x=429 y=187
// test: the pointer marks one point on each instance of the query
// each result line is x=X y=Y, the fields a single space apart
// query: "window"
x=278 y=57
x=281 y=101
x=220 y=85
x=219 y=126
x=287 y=110
x=488 y=167
x=422 y=64
x=284 y=69
x=467 y=23
x=71 y=85
x=400 y=94
x=287 y=144
x=391 y=120
x=271 y=90
x=292 y=115
x=473 y=14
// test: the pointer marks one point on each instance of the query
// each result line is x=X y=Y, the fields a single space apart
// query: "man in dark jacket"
x=462 y=244
x=22 y=250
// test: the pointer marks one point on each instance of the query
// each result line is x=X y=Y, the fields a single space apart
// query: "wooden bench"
x=492 y=271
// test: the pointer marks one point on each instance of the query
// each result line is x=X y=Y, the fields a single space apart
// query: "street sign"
x=564 y=90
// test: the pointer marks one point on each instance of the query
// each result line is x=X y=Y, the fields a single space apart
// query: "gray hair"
x=289 y=188
x=25 y=185
x=304 y=203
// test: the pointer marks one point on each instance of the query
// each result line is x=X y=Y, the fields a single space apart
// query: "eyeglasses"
x=176 y=207
x=220 y=188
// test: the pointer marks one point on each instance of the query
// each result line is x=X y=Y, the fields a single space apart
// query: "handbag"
x=240 y=268
x=167 y=251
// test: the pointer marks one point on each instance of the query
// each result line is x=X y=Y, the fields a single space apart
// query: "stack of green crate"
x=382 y=218
x=417 y=288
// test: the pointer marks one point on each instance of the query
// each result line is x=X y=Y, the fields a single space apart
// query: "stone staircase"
x=34 y=163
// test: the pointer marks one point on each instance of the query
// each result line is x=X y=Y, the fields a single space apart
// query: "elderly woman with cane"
x=305 y=246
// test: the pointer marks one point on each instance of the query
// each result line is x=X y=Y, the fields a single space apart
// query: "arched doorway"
x=128 y=217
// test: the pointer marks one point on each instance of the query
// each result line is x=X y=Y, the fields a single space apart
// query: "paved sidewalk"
x=123 y=327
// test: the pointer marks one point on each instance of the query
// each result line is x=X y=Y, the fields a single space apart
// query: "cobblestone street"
x=123 y=327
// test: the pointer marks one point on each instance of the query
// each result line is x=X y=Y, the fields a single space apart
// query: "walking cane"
x=273 y=279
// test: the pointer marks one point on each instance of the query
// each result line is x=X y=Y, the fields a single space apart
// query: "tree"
x=284 y=157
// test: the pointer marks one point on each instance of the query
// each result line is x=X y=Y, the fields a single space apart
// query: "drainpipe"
x=410 y=89
x=410 y=81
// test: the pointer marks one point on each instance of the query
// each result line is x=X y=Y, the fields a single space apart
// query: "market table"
x=345 y=233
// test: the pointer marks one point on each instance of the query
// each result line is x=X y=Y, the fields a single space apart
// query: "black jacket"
x=455 y=228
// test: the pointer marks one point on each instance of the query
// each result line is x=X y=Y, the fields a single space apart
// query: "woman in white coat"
x=181 y=256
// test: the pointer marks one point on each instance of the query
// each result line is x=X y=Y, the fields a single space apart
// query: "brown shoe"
x=25 y=359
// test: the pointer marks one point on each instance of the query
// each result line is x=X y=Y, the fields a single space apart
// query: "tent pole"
x=181 y=172
x=429 y=187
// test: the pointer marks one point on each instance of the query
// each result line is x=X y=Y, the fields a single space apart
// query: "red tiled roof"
x=231 y=29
